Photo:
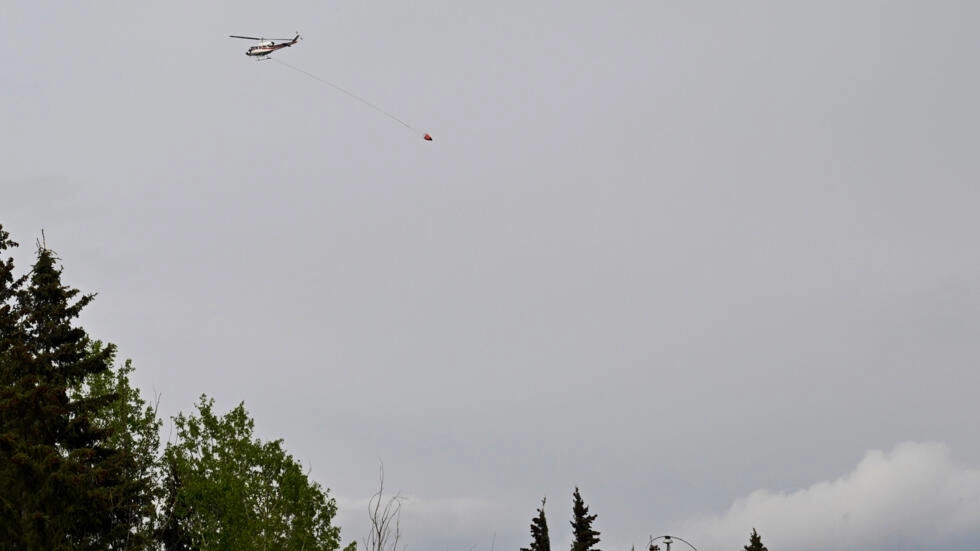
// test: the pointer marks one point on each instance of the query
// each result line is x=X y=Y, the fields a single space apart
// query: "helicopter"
x=266 y=45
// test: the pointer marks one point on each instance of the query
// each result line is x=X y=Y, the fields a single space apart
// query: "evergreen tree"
x=8 y=291
x=539 y=532
x=9 y=338
x=58 y=477
x=584 y=536
x=755 y=542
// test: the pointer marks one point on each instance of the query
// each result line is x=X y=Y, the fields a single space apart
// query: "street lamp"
x=667 y=540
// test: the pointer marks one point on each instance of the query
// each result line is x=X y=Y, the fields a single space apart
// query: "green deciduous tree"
x=755 y=542
x=227 y=490
x=59 y=474
x=585 y=537
x=135 y=430
x=540 y=541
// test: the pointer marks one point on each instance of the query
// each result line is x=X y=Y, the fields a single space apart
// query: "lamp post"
x=667 y=541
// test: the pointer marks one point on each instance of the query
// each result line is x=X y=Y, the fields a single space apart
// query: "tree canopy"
x=584 y=536
x=60 y=475
x=228 y=490
x=540 y=541
x=134 y=428
x=80 y=460
x=755 y=542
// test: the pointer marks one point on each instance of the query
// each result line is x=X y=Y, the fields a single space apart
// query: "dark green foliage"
x=584 y=536
x=755 y=542
x=10 y=337
x=59 y=477
x=8 y=290
x=174 y=532
x=540 y=541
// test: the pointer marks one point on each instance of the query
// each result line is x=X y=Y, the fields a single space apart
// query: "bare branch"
x=385 y=531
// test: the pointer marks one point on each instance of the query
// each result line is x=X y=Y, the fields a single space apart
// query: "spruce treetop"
x=755 y=542
x=540 y=541
x=585 y=538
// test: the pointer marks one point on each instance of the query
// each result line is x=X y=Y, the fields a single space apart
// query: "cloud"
x=913 y=497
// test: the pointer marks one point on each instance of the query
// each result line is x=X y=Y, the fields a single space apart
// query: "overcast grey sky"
x=716 y=263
